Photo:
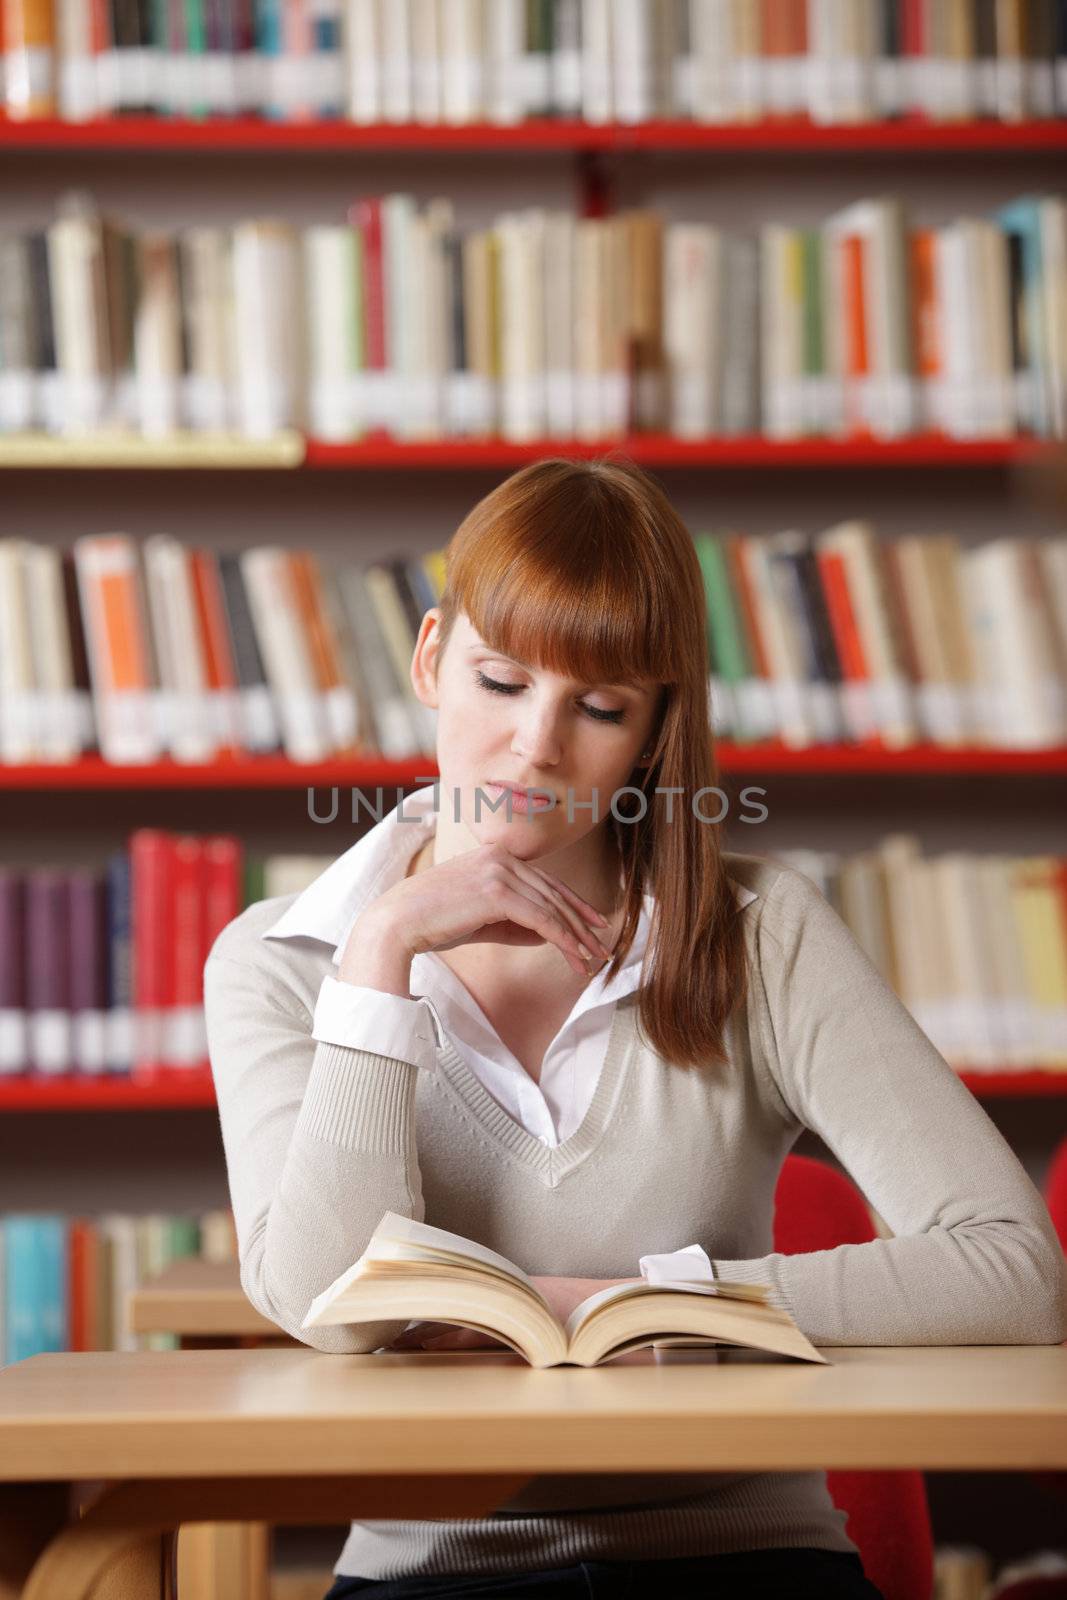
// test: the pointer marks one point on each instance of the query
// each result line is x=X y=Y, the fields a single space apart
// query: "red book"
x=184 y=1041
x=366 y=215
x=912 y=43
x=151 y=901
x=100 y=13
x=855 y=667
x=223 y=880
x=83 y=1284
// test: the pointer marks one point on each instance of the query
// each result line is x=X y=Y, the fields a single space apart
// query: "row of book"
x=154 y=649
x=160 y=648
x=542 y=325
x=501 y=61
x=974 y=945
x=64 y=1280
x=101 y=968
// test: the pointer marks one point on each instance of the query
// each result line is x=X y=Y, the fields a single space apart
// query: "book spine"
x=185 y=1036
x=120 y=1036
x=88 y=970
x=14 y=1020
x=152 y=900
x=48 y=971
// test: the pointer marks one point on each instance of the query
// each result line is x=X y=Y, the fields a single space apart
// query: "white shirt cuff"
x=361 y=1018
x=690 y=1265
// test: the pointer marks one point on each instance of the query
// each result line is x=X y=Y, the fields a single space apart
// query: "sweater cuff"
x=758 y=1269
x=359 y=1100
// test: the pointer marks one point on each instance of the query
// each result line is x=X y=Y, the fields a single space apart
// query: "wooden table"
x=300 y=1436
x=202 y=1302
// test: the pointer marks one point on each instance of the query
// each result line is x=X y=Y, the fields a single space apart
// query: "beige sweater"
x=320 y=1140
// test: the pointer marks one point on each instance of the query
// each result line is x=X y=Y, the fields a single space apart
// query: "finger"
x=583 y=906
x=573 y=916
x=529 y=907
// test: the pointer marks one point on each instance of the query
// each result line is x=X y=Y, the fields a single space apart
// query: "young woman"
x=582 y=1031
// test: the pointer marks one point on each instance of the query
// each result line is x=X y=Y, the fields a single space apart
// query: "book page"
x=440 y=1243
x=621 y=1291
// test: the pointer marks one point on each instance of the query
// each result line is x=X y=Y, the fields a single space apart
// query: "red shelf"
x=783 y=135
x=662 y=450
x=1021 y=1085
x=164 y=1091
x=276 y=772
x=192 y=1090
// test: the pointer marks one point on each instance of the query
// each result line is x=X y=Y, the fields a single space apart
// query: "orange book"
x=855 y=667
x=337 y=693
x=29 y=47
x=857 y=352
x=925 y=315
x=218 y=646
x=83 y=1284
x=323 y=653
x=734 y=545
x=847 y=638
x=118 y=647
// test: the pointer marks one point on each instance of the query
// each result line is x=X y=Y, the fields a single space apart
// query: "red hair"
x=586 y=570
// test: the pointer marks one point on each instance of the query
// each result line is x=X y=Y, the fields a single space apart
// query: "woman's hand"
x=562 y=1294
x=485 y=895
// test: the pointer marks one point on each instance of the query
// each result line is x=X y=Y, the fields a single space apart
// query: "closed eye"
x=596 y=712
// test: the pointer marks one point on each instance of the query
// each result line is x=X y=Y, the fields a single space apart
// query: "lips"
x=537 y=800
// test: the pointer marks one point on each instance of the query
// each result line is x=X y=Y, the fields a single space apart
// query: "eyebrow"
x=631 y=683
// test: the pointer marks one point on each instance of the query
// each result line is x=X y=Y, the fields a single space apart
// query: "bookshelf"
x=276 y=772
x=151 y=136
x=354 y=497
x=290 y=450
x=194 y=1090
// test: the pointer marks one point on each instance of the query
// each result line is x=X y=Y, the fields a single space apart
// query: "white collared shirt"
x=363 y=1018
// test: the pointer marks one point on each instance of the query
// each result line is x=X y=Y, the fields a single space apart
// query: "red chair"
x=1056 y=1191
x=818 y=1208
x=1055 y=1197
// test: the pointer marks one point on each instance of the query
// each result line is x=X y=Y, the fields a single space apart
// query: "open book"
x=412 y=1270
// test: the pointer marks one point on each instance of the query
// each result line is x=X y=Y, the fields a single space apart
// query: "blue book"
x=35 y=1286
x=1021 y=221
x=270 y=42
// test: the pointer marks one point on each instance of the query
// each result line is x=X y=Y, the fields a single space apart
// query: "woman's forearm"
x=376 y=957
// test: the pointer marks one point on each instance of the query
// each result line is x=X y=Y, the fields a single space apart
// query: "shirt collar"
x=328 y=908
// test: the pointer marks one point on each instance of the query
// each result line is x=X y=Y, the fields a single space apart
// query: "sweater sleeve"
x=319 y=1142
x=973 y=1258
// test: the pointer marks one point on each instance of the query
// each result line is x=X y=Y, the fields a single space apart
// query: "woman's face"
x=537 y=730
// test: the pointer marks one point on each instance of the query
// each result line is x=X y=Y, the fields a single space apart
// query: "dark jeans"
x=800 y=1574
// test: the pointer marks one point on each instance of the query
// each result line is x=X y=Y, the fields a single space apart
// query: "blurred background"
x=286 y=286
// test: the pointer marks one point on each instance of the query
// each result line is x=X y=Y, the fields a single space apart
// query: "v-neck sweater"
x=321 y=1140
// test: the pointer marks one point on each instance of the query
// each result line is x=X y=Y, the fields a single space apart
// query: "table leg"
x=224 y=1561
x=120 y=1547
x=31 y=1514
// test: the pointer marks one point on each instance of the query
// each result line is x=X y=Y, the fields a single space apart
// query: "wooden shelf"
x=178 y=450
x=150 y=135
x=288 y=450
x=181 y=1091
x=277 y=772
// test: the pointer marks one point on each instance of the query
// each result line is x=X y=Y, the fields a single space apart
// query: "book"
x=410 y=1269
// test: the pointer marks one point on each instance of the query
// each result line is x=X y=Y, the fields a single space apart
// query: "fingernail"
x=588 y=954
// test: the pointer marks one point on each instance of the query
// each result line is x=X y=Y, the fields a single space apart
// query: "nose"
x=537 y=740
